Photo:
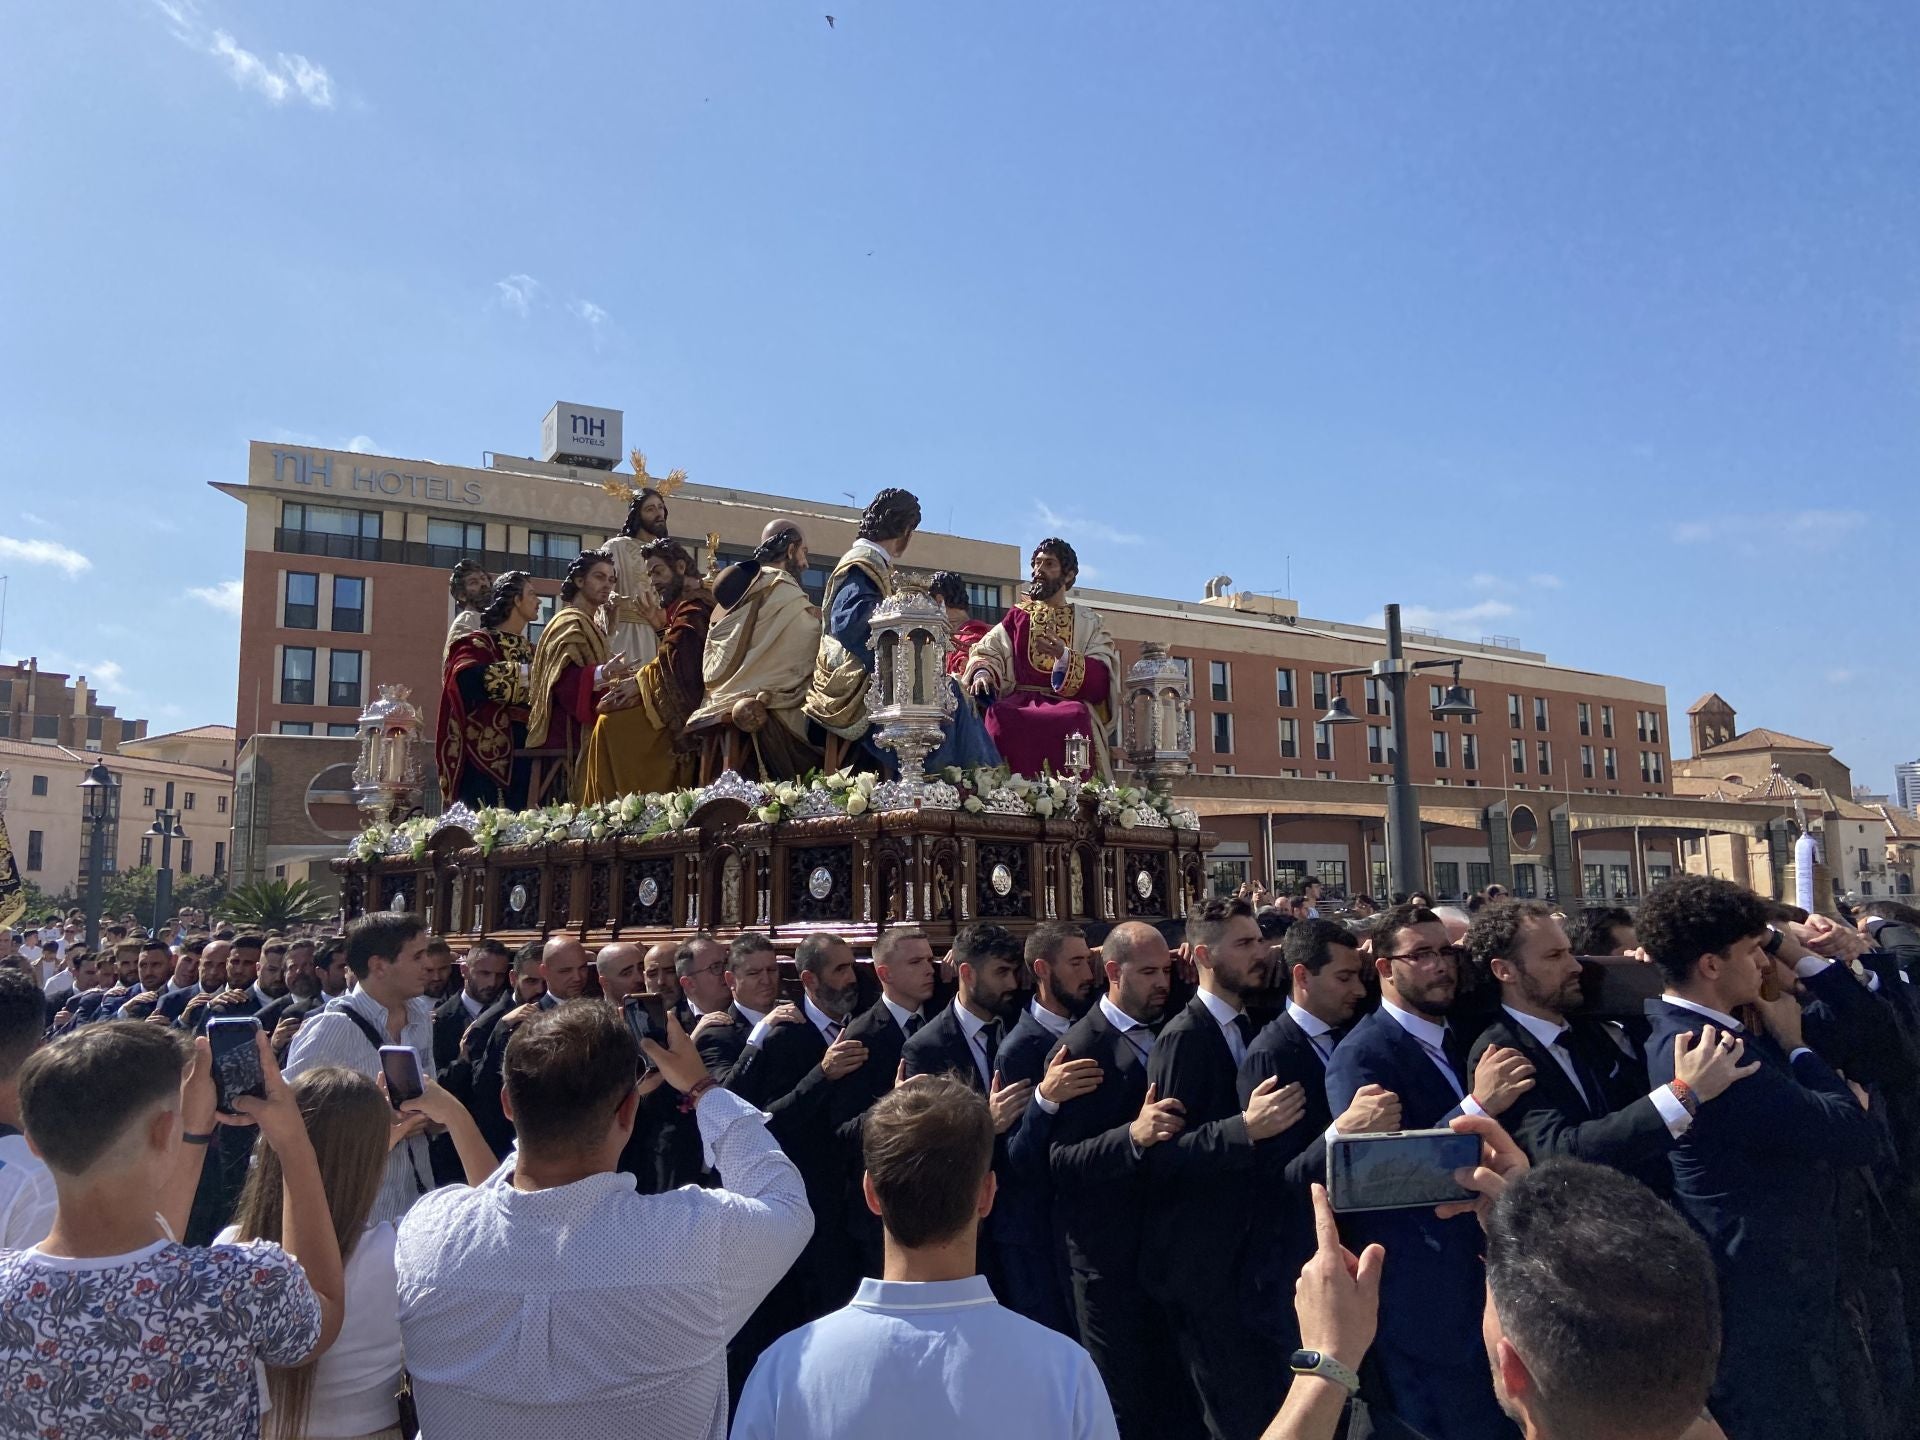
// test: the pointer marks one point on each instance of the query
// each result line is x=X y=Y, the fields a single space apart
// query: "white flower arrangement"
x=646 y=816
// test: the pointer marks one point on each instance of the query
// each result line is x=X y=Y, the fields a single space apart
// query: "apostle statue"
x=572 y=669
x=639 y=743
x=472 y=588
x=1048 y=670
x=484 y=701
x=760 y=653
x=625 y=615
x=836 y=700
x=968 y=743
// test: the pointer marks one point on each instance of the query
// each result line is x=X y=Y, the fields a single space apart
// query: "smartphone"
x=647 y=1019
x=236 y=1060
x=401 y=1065
x=1403 y=1170
x=1617 y=988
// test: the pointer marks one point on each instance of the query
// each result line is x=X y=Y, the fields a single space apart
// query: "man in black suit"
x=1322 y=964
x=753 y=982
x=563 y=967
x=241 y=995
x=485 y=982
x=1202 y=1195
x=700 y=970
x=1429 y=1368
x=1757 y=1177
x=1590 y=1098
x=1028 y=1256
x=663 y=979
x=1100 y=1140
x=213 y=979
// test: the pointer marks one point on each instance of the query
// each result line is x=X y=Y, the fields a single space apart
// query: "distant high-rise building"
x=1906 y=785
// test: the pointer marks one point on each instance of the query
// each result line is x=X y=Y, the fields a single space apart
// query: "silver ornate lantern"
x=1158 y=718
x=910 y=700
x=388 y=778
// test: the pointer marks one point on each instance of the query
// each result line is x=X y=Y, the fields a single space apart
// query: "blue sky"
x=1598 y=326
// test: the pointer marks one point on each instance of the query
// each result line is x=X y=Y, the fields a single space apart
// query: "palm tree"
x=276 y=905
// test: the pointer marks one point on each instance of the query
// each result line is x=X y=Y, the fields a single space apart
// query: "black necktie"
x=1455 y=1050
x=990 y=1042
x=914 y=1022
x=1584 y=1078
x=1244 y=1024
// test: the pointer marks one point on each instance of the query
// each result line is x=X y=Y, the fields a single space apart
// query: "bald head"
x=1455 y=919
x=563 y=963
x=1139 y=970
x=781 y=543
x=213 y=964
x=658 y=970
x=619 y=967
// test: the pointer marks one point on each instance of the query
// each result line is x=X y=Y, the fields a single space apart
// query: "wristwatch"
x=1318 y=1362
x=1775 y=939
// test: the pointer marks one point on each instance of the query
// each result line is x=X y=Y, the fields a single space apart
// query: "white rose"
x=598 y=832
x=769 y=813
x=856 y=803
x=1043 y=806
x=972 y=805
x=1129 y=818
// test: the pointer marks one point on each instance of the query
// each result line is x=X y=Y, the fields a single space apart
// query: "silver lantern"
x=910 y=701
x=388 y=777
x=1158 y=718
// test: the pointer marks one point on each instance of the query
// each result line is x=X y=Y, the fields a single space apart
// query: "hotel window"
x=1513 y=712
x=1320 y=692
x=329 y=520
x=1544 y=756
x=343 y=677
x=1326 y=774
x=468 y=537
x=303 y=601
x=1289 y=774
x=1586 y=762
x=552 y=545
x=1586 y=718
x=1440 y=756
x=1539 y=712
x=187 y=804
x=1378 y=751
x=1610 y=762
x=296 y=675
x=36 y=843
x=349 y=604
x=1283 y=688
x=1289 y=738
x=1223 y=770
x=349 y=731
x=1606 y=721
x=1593 y=881
x=1222 y=733
x=296 y=727
x=1651 y=771
x=1469 y=753
x=1379 y=698
x=1220 y=680
x=1323 y=745
x=1435 y=694
x=1517 y=752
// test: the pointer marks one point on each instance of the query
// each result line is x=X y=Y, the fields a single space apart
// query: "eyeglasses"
x=718 y=968
x=1427 y=955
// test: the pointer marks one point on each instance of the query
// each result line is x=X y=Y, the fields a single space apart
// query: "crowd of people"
x=1065 y=1184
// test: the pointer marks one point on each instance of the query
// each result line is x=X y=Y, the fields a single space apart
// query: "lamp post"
x=100 y=801
x=166 y=829
x=1404 y=869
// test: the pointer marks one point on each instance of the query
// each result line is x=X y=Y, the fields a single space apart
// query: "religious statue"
x=760 y=653
x=471 y=587
x=484 y=702
x=640 y=743
x=968 y=743
x=843 y=666
x=1048 y=670
x=572 y=668
x=625 y=616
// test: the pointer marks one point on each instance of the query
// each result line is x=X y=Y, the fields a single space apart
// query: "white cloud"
x=1501 y=585
x=1546 y=582
x=286 y=77
x=38 y=522
x=363 y=445
x=589 y=312
x=517 y=293
x=105 y=673
x=1427 y=617
x=1076 y=530
x=1758 y=532
x=45 y=552
x=1840 y=676
x=224 y=597
x=1485 y=581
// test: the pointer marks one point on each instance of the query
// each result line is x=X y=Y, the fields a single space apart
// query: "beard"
x=658 y=529
x=1038 y=589
x=838 y=1003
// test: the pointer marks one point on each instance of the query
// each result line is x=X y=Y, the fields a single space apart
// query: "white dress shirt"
x=1138 y=1035
x=27 y=1196
x=899 y=1012
x=329 y=1039
x=472 y=1006
x=972 y=1026
x=1055 y=1025
x=934 y=1360
x=1546 y=1032
x=1433 y=1039
x=828 y=1027
x=1725 y=1021
x=1319 y=1034
x=1228 y=1019
x=590 y=1309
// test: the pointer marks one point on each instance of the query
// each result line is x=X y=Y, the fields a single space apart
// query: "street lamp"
x=1403 y=806
x=100 y=801
x=166 y=829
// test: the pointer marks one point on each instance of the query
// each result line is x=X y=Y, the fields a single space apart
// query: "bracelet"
x=192 y=1139
x=1683 y=1092
x=691 y=1099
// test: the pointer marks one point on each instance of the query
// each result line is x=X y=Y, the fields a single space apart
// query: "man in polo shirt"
x=926 y=1351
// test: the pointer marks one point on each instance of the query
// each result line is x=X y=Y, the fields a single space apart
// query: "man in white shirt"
x=27 y=1196
x=554 y=1299
x=926 y=1352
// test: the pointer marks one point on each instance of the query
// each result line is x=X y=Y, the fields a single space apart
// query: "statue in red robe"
x=484 y=702
x=1047 y=671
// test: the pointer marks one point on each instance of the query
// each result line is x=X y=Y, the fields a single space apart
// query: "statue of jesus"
x=625 y=615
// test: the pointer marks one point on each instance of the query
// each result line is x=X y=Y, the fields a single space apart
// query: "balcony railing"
x=414 y=552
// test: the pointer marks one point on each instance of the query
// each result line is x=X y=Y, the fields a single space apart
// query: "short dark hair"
x=1496 y=929
x=487 y=945
x=437 y=945
x=78 y=1096
x=1207 y=921
x=671 y=551
x=325 y=948
x=748 y=942
x=685 y=953
x=889 y=515
x=251 y=940
x=1608 y=1296
x=977 y=944
x=155 y=944
x=1593 y=933
x=577 y=571
x=382 y=933
x=1060 y=550
x=891 y=939
x=1312 y=943
x=566 y=1071
x=23 y=1019
x=194 y=945
x=927 y=1148
x=1695 y=915
x=527 y=958
x=814 y=952
x=949 y=588
x=1387 y=927
x=1044 y=941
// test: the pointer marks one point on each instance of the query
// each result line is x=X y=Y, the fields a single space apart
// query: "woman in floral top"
x=111 y=1328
